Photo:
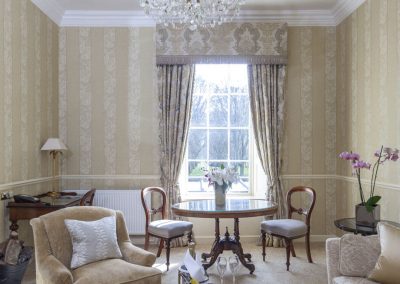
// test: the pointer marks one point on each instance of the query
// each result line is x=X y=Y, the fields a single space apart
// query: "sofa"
x=53 y=252
x=346 y=265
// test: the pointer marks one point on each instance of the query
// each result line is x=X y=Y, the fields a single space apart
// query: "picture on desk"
x=24 y=198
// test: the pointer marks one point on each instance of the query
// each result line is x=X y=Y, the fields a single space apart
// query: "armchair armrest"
x=332 y=258
x=130 y=252
x=51 y=270
x=136 y=255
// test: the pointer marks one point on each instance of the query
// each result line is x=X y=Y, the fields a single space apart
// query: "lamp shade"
x=54 y=144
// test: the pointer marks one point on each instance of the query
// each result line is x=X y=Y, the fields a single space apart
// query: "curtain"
x=266 y=86
x=175 y=90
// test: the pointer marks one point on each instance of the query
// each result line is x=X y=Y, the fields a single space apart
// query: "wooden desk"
x=23 y=211
x=234 y=208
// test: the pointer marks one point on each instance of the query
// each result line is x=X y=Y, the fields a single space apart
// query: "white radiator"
x=128 y=201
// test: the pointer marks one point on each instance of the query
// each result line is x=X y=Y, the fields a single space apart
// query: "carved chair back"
x=153 y=211
x=87 y=199
x=301 y=211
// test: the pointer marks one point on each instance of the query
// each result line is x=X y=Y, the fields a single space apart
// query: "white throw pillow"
x=387 y=268
x=93 y=240
x=358 y=254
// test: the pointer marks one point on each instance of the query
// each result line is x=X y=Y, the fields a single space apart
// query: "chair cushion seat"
x=289 y=228
x=112 y=271
x=169 y=228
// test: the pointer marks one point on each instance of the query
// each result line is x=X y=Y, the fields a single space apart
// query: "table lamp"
x=55 y=146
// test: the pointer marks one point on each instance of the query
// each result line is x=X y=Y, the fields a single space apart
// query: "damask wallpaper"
x=28 y=98
x=368 y=103
x=108 y=107
x=310 y=126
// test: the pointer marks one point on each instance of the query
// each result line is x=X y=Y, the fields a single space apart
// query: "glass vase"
x=220 y=194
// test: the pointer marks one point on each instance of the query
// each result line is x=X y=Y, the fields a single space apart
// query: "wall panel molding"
x=109 y=177
x=152 y=177
x=290 y=177
x=12 y=185
x=382 y=185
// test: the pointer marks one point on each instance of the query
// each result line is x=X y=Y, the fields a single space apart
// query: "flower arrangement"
x=382 y=155
x=222 y=176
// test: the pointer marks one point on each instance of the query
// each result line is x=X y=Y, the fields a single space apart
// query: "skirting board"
x=205 y=240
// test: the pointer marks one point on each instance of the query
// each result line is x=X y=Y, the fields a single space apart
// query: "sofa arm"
x=332 y=258
x=136 y=255
x=52 y=271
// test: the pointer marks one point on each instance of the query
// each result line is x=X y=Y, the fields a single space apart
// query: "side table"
x=349 y=225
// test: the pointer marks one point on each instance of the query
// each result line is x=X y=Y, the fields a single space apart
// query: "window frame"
x=255 y=170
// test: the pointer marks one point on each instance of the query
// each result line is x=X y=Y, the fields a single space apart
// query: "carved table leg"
x=204 y=255
x=237 y=237
x=216 y=249
x=238 y=250
x=228 y=243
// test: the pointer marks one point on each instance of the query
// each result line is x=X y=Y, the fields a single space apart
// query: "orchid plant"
x=222 y=176
x=382 y=155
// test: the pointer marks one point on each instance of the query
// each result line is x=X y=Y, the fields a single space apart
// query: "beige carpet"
x=271 y=271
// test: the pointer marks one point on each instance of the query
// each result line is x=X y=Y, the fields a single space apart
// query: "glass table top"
x=349 y=225
x=231 y=205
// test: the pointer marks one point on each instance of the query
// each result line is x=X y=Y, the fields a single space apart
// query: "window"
x=220 y=129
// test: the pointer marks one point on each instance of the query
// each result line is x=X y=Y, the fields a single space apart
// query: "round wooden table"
x=234 y=208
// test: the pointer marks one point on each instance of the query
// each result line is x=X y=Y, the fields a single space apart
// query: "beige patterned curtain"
x=266 y=86
x=175 y=90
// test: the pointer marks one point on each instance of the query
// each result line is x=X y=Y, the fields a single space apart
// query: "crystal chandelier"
x=193 y=13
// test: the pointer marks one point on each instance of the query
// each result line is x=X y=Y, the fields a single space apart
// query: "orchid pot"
x=367 y=218
x=368 y=211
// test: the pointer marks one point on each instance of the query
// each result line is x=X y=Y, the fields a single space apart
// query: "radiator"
x=128 y=201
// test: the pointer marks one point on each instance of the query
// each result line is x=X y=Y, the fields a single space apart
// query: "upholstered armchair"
x=53 y=252
x=350 y=259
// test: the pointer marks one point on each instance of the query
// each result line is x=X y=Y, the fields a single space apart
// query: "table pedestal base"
x=228 y=242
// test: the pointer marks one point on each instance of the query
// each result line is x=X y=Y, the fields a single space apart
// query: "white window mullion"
x=229 y=129
x=208 y=128
x=212 y=76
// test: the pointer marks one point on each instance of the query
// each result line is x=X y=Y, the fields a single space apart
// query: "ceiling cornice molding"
x=54 y=11
x=84 y=18
x=291 y=17
x=76 y=18
x=345 y=8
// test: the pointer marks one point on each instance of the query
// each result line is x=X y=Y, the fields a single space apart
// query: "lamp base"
x=53 y=194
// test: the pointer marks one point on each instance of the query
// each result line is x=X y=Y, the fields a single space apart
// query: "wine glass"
x=221 y=267
x=233 y=266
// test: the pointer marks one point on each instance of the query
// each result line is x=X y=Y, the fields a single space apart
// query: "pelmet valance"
x=248 y=43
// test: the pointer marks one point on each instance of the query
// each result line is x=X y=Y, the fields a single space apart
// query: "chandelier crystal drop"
x=192 y=13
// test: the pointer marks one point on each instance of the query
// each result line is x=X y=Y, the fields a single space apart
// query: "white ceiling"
x=128 y=5
x=128 y=12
